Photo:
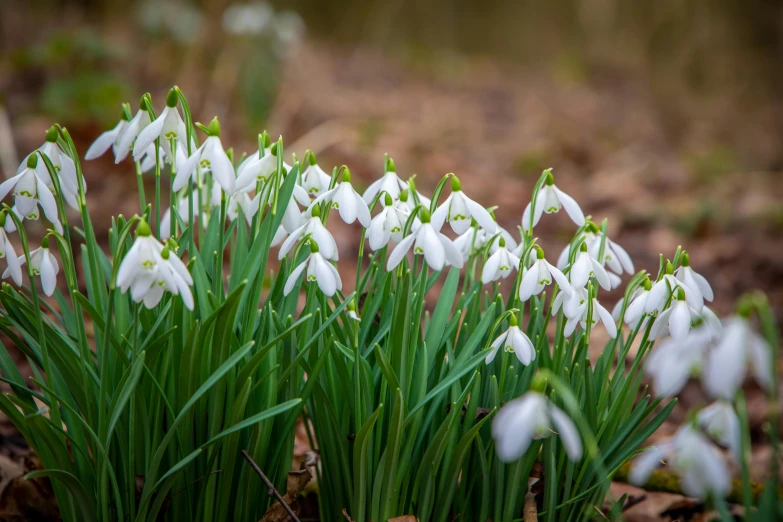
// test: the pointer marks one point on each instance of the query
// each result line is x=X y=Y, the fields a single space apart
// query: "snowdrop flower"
x=551 y=199
x=585 y=267
x=614 y=257
x=210 y=157
x=132 y=130
x=314 y=180
x=511 y=243
x=184 y=214
x=664 y=287
x=173 y=276
x=108 y=139
x=352 y=311
x=500 y=264
x=319 y=270
x=634 y=313
x=347 y=201
x=43 y=264
x=412 y=197
x=168 y=126
x=738 y=350
x=279 y=236
x=257 y=168
x=458 y=209
x=696 y=283
x=721 y=423
x=29 y=191
x=693 y=457
x=387 y=225
x=541 y=274
x=139 y=268
x=242 y=203
x=575 y=307
x=389 y=183
x=7 y=251
x=677 y=317
x=63 y=165
x=317 y=232
x=436 y=248
x=513 y=341
x=531 y=417
x=673 y=362
x=471 y=241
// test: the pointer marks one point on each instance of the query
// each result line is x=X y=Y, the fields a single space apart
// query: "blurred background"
x=665 y=117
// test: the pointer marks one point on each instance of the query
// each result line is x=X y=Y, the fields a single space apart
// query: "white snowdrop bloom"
x=255 y=169
x=634 y=313
x=132 y=130
x=347 y=201
x=314 y=180
x=315 y=230
x=210 y=157
x=584 y=268
x=43 y=264
x=138 y=269
x=437 y=249
x=243 y=203
x=109 y=139
x=416 y=197
x=319 y=270
x=711 y=321
x=697 y=283
x=511 y=243
x=721 y=423
x=575 y=307
x=513 y=341
x=170 y=274
x=499 y=265
x=665 y=287
x=29 y=192
x=693 y=457
x=551 y=199
x=387 y=225
x=458 y=209
x=184 y=214
x=672 y=362
x=7 y=251
x=471 y=241
x=389 y=183
x=531 y=417
x=737 y=350
x=539 y=275
x=615 y=257
x=279 y=236
x=168 y=126
x=678 y=318
x=63 y=165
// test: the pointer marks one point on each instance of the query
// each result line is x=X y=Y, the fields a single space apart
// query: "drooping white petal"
x=293 y=278
x=567 y=432
x=644 y=465
x=399 y=252
x=571 y=207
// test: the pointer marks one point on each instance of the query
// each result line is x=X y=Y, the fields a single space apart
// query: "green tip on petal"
x=171 y=98
x=165 y=253
x=686 y=259
x=346 y=174
x=387 y=199
x=669 y=268
x=313 y=161
x=51 y=134
x=502 y=242
x=45 y=242
x=32 y=161
x=539 y=252
x=513 y=320
x=316 y=212
x=143 y=229
x=456 y=186
x=550 y=179
x=214 y=127
x=313 y=246
x=390 y=166
x=404 y=196
x=424 y=215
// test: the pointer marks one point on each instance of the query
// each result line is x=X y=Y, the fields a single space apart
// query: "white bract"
x=539 y=275
x=315 y=230
x=458 y=209
x=436 y=248
x=513 y=341
x=29 y=192
x=693 y=457
x=318 y=270
x=500 y=264
x=210 y=157
x=531 y=417
x=551 y=199
x=387 y=225
x=347 y=201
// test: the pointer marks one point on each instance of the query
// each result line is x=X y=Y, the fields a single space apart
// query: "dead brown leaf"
x=297 y=481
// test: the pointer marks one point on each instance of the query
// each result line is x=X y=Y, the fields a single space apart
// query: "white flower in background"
x=347 y=201
x=242 y=203
x=575 y=307
x=184 y=214
x=678 y=318
x=513 y=341
x=137 y=124
x=319 y=270
x=511 y=243
x=107 y=140
x=387 y=225
x=168 y=126
x=693 y=457
x=138 y=269
x=615 y=258
x=279 y=236
x=500 y=264
x=314 y=180
x=412 y=197
x=585 y=267
x=257 y=168
x=437 y=249
x=63 y=165
x=539 y=275
x=389 y=183
x=7 y=251
x=315 y=230
x=738 y=350
x=551 y=199
x=672 y=362
x=697 y=283
x=665 y=287
x=635 y=310
x=471 y=241
x=248 y=19
x=171 y=275
x=43 y=264
x=29 y=191
x=210 y=157
x=711 y=321
x=721 y=423
x=458 y=209
x=531 y=417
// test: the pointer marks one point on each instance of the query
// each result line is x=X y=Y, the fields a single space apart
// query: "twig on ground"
x=272 y=491
x=530 y=511
x=347 y=516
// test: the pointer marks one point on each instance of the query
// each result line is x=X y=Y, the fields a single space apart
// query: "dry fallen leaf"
x=297 y=480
